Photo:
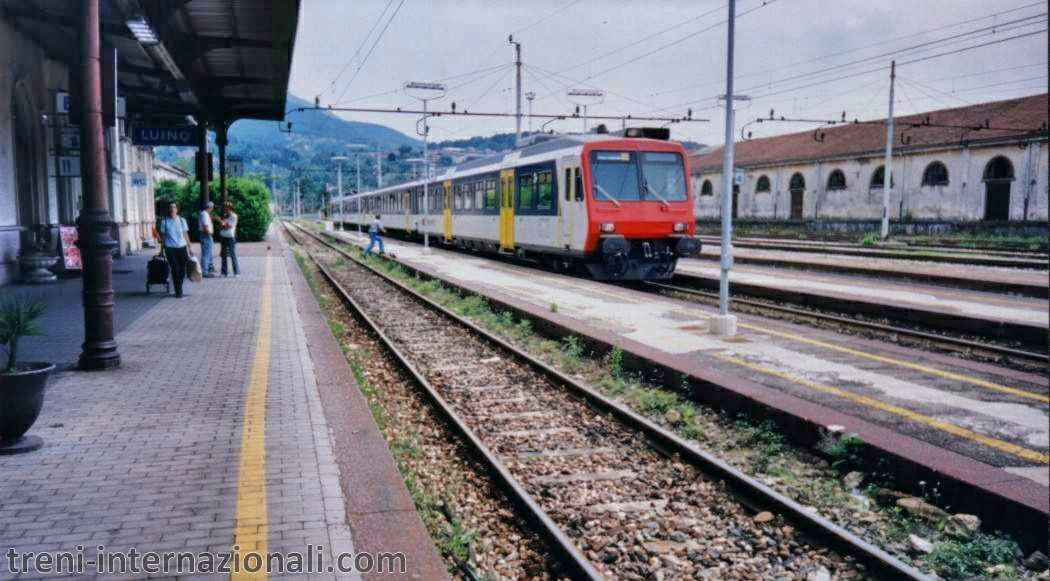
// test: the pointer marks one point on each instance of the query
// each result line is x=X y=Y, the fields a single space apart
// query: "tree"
x=251 y=201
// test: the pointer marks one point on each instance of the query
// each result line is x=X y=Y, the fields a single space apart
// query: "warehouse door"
x=797 y=188
x=998 y=175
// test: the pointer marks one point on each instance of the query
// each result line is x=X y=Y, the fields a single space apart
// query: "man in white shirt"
x=228 y=240
x=207 y=231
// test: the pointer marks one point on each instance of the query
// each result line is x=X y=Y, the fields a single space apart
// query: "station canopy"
x=218 y=59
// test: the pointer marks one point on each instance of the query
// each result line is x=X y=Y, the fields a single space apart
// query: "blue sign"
x=165 y=136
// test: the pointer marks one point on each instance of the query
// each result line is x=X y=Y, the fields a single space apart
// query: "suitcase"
x=157 y=273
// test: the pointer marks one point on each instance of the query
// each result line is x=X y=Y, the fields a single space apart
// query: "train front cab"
x=640 y=209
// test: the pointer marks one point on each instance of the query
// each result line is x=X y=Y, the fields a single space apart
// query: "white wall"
x=963 y=199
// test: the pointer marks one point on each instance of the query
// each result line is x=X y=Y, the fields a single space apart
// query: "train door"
x=446 y=214
x=406 y=204
x=506 y=210
x=567 y=209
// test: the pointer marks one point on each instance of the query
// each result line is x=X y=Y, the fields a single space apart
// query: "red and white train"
x=617 y=205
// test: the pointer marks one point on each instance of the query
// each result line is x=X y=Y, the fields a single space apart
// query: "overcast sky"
x=782 y=45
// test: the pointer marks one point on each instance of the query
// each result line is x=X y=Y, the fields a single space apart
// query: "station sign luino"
x=165 y=135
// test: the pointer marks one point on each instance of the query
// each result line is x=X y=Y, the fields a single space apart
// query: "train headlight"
x=679 y=226
x=607 y=227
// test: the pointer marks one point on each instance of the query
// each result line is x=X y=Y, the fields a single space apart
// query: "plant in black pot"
x=21 y=383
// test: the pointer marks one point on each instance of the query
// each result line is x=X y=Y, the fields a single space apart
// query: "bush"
x=249 y=196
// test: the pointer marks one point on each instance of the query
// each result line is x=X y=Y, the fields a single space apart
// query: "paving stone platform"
x=159 y=454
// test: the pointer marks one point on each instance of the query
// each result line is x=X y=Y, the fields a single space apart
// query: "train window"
x=567 y=184
x=479 y=195
x=526 y=191
x=614 y=176
x=490 y=195
x=663 y=176
x=458 y=201
x=545 y=192
x=468 y=198
x=578 y=185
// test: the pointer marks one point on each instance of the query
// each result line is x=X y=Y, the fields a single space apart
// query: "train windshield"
x=663 y=176
x=627 y=176
x=615 y=176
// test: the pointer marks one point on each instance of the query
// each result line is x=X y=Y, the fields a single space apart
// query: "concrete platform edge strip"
x=1003 y=500
x=380 y=510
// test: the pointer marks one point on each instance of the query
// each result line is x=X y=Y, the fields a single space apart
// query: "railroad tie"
x=583 y=477
x=527 y=433
x=635 y=506
x=519 y=399
x=519 y=415
x=565 y=453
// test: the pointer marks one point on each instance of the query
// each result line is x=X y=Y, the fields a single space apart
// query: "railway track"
x=613 y=494
x=991 y=352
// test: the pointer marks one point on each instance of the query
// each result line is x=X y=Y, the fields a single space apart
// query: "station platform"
x=233 y=420
x=1030 y=282
x=983 y=306
x=984 y=424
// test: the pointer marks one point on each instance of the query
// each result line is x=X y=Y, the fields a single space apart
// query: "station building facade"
x=40 y=184
x=981 y=163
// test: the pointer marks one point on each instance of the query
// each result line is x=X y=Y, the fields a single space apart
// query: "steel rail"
x=556 y=539
x=752 y=492
x=953 y=343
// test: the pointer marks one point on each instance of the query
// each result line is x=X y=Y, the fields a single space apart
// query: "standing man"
x=207 y=230
x=175 y=235
x=228 y=240
x=373 y=236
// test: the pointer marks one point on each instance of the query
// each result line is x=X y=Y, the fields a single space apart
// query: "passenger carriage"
x=616 y=205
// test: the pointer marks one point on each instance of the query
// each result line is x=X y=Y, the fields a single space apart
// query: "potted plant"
x=21 y=383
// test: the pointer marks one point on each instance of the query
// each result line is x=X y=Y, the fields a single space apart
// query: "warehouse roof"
x=1024 y=117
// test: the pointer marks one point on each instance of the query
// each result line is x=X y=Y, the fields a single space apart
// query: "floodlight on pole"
x=585 y=97
x=339 y=159
x=357 y=160
x=530 y=96
x=425 y=92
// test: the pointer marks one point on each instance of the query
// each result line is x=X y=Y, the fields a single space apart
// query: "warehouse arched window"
x=707 y=189
x=935 y=174
x=837 y=180
x=762 y=185
x=878 y=177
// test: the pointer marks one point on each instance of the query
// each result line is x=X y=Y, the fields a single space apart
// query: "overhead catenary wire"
x=840 y=53
x=857 y=73
x=350 y=61
x=371 y=49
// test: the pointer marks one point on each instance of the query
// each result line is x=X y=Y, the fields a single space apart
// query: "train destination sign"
x=165 y=135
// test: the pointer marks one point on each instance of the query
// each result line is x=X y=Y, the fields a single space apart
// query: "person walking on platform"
x=228 y=240
x=374 y=230
x=207 y=230
x=175 y=235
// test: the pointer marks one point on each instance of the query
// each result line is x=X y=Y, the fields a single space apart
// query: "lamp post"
x=339 y=159
x=724 y=323
x=425 y=92
x=584 y=97
x=530 y=96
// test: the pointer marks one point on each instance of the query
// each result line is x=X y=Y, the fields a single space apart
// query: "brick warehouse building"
x=945 y=169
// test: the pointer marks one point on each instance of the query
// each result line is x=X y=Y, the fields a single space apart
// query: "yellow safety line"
x=251 y=522
x=1012 y=449
x=908 y=365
